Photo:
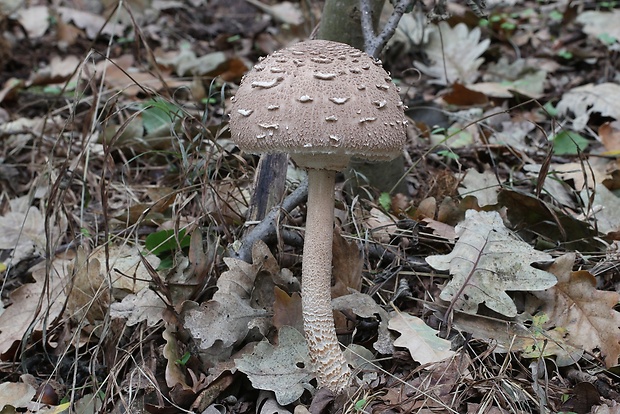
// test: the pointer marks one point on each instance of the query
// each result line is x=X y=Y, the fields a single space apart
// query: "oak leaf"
x=488 y=260
x=281 y=368
x=420 y=339
x=587 y=314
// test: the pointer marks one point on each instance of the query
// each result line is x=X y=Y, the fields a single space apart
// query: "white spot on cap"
x=269 y=126
x=258 y=67
x=369 y=119
x=361 y=87
x=339 y=101
x=276 y=69
x=245 y=112
x=308 y=145
x=331 y=118
x=321 y=59
x=261 y=136
x=324 y=76
x=273 y=107
x=305 y=98
x=380 y=104
x=384 y=87
x=298 y=53
x=265 y=84
x=334 y=140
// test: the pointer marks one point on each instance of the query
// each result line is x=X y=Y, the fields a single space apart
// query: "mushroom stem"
x=325 y=353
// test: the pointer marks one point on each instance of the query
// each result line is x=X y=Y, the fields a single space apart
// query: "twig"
x=374 y=43
x=267 y=228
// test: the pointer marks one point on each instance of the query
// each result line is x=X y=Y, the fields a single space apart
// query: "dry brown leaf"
x=604 y=209
x=34 y=20
x=283 y=368
x=426 y=209
x=586 y=313
x=588 y=99
x=364 y=306
x=455 y=54
x=16 y=395
x=484 y=186
x=600 y=24
x=347 y=265
x=223 y=322
x=287 y=310
x=610 y=137
x=16 y=319
x=22 y=231
x=582 y=175
x=91 y=23
x=420 y=339
x=488 y=260
x=88 y=294
x=145 y=305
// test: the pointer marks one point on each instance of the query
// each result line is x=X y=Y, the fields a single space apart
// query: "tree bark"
x=341 y=21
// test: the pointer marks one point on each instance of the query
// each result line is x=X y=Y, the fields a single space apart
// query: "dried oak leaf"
x=587 y=314
x=482 y=185
x=41 y=302
x=224 y=321
x=455 y=54
x=585 y=100
x=281 y=368
x=420 y=339
x=488 y=260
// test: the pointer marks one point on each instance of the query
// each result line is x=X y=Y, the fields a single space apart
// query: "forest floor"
x=489 y=283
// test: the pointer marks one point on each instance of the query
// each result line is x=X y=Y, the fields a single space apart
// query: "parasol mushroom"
x=323 y=103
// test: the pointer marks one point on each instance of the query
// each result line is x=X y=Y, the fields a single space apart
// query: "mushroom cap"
x=322 y=102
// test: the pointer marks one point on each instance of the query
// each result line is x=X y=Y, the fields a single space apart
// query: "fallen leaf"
x=585 y=100
x=287 y=310
x=483 y=186
x=91 y=23
x=364 y=306
x=16 y=395
x=610 y=137
x=224 y=320
x=462 y=96
x=488 y=260
x=347 y=265
x=420 y=339
x=16 y=319
x=602 y=25
x=145 y=305
x=514 y=336
x=587 y=314
x=604 y=209
x=88 y=293
x=455 y=54
x=23 y=233
x=283 y=368
x=34 y=20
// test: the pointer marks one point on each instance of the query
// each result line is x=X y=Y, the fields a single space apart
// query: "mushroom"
x=323 y=103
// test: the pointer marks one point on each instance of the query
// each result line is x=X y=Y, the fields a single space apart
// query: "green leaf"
x=569 y=143
x=385 y=201
x=183 y=360
x=164 y=241
x=159 y=114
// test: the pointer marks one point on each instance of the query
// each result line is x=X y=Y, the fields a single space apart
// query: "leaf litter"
x=491 y=279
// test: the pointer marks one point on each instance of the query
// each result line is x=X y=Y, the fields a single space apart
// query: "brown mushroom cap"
x=323 y=102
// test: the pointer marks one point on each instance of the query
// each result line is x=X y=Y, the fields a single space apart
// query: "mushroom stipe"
x=323 y=103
